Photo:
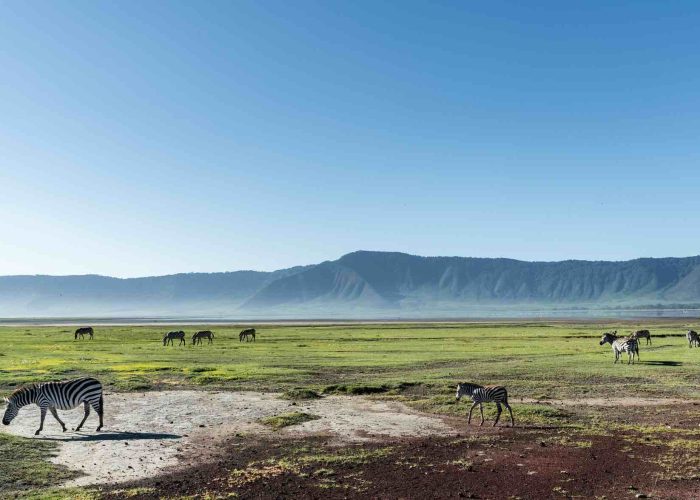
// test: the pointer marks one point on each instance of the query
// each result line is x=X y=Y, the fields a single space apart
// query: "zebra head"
x=464 y=390
x=10 y=412
x=608 y=337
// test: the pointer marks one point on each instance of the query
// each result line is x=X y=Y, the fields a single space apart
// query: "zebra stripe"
x=693 y=338
x=620 y=345
x=642 y=334
x=81 y=332
x=489 y=394
x=170 y=338
x=245 y=334
x=205 y=334
x=54 y=396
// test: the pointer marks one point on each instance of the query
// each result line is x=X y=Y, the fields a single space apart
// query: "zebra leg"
x=469 y=421
x=512 y=421
x=99 y=408
x=498 y=415
x=481 y=409
x=41 y=423
x=55 y=415
x=87 y=413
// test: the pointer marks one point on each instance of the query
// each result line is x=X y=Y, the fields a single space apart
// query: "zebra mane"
x=470 y=386
x=22 y=390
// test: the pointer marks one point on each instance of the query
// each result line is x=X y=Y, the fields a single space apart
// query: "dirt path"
x=145 y=432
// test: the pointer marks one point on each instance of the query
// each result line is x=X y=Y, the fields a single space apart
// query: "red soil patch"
x=486 y=463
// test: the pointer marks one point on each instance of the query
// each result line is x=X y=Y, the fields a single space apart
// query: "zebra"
x=620 y=345
x=489 y=394
x=81 y=332
x=206 y=334
x=170 y=337
x=250 y=332
x=642 y=334
x=51 y=396
x=693 y=338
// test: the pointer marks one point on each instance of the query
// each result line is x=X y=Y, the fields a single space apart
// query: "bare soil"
x=145 y=433
x=211 y=444
x=498 y=464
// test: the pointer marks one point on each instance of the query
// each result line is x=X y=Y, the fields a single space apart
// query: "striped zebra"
x=693 y=338
x=620 y=345
x=642 y=334
x=245 y=334
x=205 y=334
x=489 y=394
x=81 y=332
x=54 y=396
x=170 y=338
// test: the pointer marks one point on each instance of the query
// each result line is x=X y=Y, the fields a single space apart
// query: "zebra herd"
x=630 y=344
x=169 y=338
x=67 y=395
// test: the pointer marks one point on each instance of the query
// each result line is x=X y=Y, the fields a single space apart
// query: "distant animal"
x=205 y=334
x=54 y=396
x=247 y=334
x=489 y=394
x=620 y=345
x=81 y=332
x=642 y=334
x=693 y=338
x=170 y=338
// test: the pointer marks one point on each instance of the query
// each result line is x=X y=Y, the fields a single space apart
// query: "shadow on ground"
x=661 y=363
x=112 y=436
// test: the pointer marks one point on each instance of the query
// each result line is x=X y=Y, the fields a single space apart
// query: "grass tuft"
x=287 y=419
x=301 y=394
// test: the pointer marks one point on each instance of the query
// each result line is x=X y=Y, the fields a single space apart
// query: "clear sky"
x=143 y=138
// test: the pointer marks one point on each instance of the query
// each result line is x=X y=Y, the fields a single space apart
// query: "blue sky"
x=142 y=138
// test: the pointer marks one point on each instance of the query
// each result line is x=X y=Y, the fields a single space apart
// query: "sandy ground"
x=145 y=433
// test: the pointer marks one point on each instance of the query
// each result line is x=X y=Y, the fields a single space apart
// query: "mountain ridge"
x=359 y=283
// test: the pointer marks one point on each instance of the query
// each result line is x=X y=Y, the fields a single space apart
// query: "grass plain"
x=534 y=360
x=419 y=363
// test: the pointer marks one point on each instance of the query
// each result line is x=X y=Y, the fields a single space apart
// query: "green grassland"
x=532 y=359
x=416 y=363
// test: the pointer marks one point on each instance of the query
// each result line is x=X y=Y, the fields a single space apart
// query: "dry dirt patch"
x=614 y=402
x=146 y=433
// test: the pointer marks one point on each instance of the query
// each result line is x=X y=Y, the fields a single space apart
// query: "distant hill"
x=362 y=284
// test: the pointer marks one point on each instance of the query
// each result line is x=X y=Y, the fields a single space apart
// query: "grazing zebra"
x=642 y=334
x=620 y=345
x=245 y=334
x=81 y=332
x=206 y=334
x=693 y=338
x=489 y=394
x=54 y=396
x=170 y=338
